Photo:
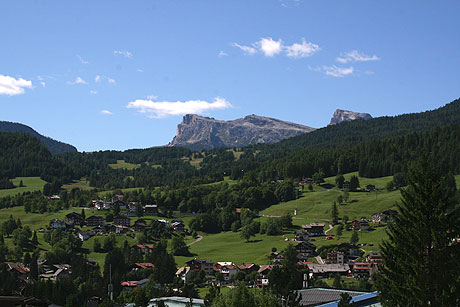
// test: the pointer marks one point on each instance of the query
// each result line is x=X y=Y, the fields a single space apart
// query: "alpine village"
x=363 y=212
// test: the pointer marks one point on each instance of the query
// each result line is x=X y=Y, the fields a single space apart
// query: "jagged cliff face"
x=198 y=132
x=344 y=115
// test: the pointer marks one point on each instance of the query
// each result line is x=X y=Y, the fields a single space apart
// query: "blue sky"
x=120 y=74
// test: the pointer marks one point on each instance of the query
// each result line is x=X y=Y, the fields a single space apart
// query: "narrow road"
x=197 y=240
x=330 y=228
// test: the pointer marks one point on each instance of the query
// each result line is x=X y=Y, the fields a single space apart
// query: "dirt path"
x=330 y=228
x=197 y=240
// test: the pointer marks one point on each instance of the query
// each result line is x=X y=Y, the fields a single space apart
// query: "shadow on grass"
x=253 y=241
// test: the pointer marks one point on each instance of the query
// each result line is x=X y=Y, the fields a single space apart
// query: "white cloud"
x=11 y=86
x=151 y=97
x=139 y=70
x=222 y=54
x=301 y=50
x=246 y=49
x=161 y=109
x=93 y=92
x=334 y=71
x=111 y=81
x=126 y=54
x=82 y=60
x=78 y=80
x=356 y=56
x=106 y=112
x=269 y=47
x=43 y=83
x=97 y=78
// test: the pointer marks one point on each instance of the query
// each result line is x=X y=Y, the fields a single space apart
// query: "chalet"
x=56 y=223
x=132 y=209
x=263 y=271
x=131 y=285
x=178 y=225
x=301 y=236
x=121 y=204
x=248 y=268
x=20 y=271
x=374 y=257
x=335 y=257
x=351 y=250
x=95 y=220
x=305 y=250
x=227 y=269
x=100 y=230
x=143 y=248
x=59 y=274
x=118 y=197
x=140 y=225
x=314 y=229
x=54 y=197
x=370 y=188
x=122 y=221
x=201 y=264
x=359 y=225
x=119 y=229
x=346 y=185
x=184 y=273
x=74 y=218
x=142 y=266
x=364 y=269
x=85 y=234
x=151 y=210
x=326 y=270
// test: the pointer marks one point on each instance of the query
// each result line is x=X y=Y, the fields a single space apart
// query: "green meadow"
x=31 y=184
x=124 y=165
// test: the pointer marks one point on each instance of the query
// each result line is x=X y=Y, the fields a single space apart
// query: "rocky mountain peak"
x=198 y=132
x=345 y=115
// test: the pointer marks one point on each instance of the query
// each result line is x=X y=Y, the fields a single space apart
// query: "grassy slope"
x=123 y=164
x=30 y=184
x=81 y=184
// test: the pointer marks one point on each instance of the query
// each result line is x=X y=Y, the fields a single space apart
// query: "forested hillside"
x=55 y=147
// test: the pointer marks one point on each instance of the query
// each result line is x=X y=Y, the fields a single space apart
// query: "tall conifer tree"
x=421 y=258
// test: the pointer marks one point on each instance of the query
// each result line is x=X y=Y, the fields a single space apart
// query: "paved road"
x=197 y=240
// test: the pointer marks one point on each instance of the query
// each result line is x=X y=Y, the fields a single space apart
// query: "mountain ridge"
x=200 y=132
x=54 y=146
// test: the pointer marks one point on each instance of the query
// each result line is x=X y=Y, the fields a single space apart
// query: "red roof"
x=363 y=265
x=131 y=283
x=145 y=265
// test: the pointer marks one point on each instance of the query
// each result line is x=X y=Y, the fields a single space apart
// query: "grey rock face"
x=198 y=132
x=344 y=115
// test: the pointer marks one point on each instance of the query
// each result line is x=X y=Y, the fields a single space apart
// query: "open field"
x=31 y=184
x=316 y=205
x=81 y=184
x=123 y=164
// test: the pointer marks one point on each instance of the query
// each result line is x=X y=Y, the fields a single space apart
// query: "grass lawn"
x=123 y=164
x=229 y=246
x=31 y=184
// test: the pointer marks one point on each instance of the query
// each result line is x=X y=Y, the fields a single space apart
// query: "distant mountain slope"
x=344 y=115
x=198 y=132
x=55 y=147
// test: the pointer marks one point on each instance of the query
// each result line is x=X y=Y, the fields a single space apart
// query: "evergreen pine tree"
x=334 y=214
x=354 y=237
x=34 y=239
x=421 y=257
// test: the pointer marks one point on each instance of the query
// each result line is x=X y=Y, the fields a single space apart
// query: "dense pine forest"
x=376 y=147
